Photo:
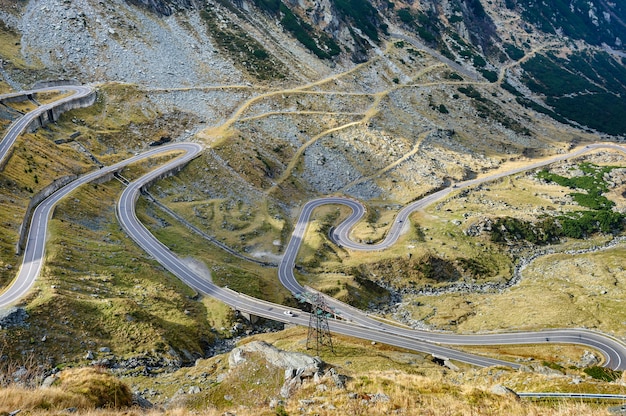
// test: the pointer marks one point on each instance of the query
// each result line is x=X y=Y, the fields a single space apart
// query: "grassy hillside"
x=97 y=288
x=329 y=98
x=377 y=380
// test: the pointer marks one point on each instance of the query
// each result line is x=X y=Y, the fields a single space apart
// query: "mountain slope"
x=185 y=43
x=381 y=101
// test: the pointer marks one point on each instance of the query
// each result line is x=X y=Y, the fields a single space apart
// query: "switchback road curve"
x=149 y=243
x=613 y=350
x=357 y=323
x=15 y=129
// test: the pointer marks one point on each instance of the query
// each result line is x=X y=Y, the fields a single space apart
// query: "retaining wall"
x=18 y=97
x=40 y=196
x=34 y=201
x=53 y=114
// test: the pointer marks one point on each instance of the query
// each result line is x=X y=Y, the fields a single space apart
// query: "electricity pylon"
x=319 y=332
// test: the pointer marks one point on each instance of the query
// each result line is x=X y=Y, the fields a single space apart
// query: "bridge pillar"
x=253 y=319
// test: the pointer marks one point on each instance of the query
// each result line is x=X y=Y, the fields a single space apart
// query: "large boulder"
x=297 y=366
x=588 y=359
x=13 y=317
x=501 y=390
x=276 y=357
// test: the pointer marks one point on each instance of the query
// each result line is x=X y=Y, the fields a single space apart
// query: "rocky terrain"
x=381 y=101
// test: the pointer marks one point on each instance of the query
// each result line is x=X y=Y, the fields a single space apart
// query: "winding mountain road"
x=79 y=91
x=355 y=323
x=613 y=350
x=34 y=252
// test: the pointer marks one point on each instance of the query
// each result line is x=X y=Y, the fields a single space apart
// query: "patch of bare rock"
x=299 y=367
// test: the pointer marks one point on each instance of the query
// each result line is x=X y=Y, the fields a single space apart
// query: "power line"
x=319 y=332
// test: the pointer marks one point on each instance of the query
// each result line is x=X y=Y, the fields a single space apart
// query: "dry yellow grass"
x=83 y=388
x=95 y=282
x=419 y=395
x=408 y=383
x=558 y=290
x=97 y=385
x=51 y=96
x=22 y=106
x=39 y=400
x=406 y=394
x=554 y=353
x=10 y=48
x=412 y=393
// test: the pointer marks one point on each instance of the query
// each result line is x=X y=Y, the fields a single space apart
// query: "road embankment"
x=55 y=112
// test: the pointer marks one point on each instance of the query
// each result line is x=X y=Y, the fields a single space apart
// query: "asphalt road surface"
x=34 y=252
x=19 y=125
x=353 y=322
x=613 y=350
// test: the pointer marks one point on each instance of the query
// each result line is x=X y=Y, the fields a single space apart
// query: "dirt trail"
x=212 y=133
x=392 y=165
x=222 y=132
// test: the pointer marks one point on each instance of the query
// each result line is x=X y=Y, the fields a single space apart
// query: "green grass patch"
x=252 y=228
x=98 y=289
x=578 y=224
x=603 y=373
x=553 y=365
x=224 y=269
x=10 y=51
x=592 y=181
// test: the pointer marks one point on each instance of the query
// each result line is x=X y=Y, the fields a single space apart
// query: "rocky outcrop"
x=14 y=317
x=141 y=402
x=297 y=366
x=165 y=7
x=501 y=390
x=588 y=359
x=276 y=357
x=540 y=369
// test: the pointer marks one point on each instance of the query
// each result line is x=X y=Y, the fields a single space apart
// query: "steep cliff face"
x=482 y=30
x=117 y=41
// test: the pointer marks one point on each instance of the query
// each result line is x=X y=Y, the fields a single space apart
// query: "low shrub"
x=99 y=387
